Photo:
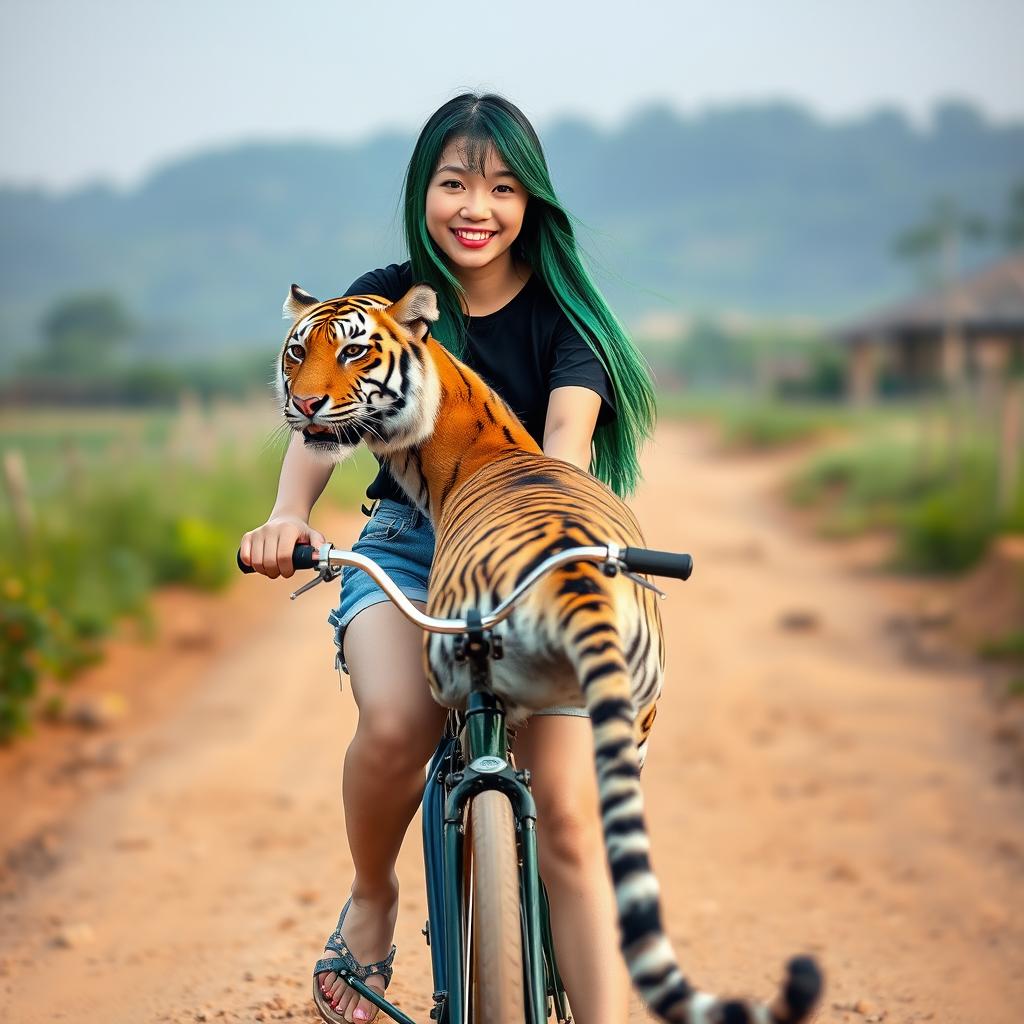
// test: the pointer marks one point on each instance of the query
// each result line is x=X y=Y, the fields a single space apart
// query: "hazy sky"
x=112 y=88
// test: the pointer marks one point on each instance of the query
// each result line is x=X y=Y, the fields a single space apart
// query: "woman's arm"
x=303 y=479
x=268 y=548
x=569 y=425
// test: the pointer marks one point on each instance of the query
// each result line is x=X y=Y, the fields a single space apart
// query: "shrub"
x=943 y=511
x=745 y=422
x=947 y=531
x=110 y=527
x=1004 y=648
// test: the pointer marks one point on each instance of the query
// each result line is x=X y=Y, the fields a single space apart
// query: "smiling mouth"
x=472 y=239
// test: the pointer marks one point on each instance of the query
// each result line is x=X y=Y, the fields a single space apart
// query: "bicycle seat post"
x=476 y=647
x=484 y=710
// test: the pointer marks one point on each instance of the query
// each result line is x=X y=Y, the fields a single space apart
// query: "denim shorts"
x=400 y=539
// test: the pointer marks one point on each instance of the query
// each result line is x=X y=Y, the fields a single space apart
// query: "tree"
x=712 y=357
x=1013 y=230
x=934 y=244
x=82 y=333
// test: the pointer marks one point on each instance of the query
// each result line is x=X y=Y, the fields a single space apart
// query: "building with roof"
x=971 y=328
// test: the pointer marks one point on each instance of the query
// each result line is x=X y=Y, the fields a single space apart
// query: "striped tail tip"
x=794 y=1004
x=800 y=992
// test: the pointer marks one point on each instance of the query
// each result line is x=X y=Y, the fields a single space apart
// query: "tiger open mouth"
x=318 y=433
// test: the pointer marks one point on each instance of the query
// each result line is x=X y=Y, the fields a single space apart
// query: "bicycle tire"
x=496 y=982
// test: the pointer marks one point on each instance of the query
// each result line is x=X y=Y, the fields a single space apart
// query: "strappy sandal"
x=347 y=962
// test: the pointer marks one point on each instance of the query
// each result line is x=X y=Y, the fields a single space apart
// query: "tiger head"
x=357 y=370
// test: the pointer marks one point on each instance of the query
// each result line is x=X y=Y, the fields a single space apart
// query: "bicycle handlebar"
x=611 y=557
x=655 y=563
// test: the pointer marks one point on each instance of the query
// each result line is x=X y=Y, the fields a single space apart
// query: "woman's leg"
x=398 y=730
x=559 y=751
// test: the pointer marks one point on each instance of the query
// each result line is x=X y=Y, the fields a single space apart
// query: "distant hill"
x=763 y=208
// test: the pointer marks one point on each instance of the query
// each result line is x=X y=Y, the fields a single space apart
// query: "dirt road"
x=808 y=788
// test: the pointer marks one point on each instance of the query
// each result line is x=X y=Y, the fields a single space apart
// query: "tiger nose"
x=309 y=403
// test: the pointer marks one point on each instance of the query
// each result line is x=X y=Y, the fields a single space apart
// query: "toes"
x=332 y=987
x=327 y=982
x=349 y=1005
x=343 y=998
x=367 y=1009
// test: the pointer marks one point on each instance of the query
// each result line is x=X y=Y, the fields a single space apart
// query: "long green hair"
x=547 y=243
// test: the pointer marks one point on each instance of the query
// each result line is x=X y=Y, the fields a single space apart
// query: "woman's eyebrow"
x=457 y=169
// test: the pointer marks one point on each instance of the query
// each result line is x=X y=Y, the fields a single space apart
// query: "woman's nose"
x=475 y=209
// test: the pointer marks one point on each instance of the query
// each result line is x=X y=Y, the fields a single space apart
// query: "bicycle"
x=492 y=956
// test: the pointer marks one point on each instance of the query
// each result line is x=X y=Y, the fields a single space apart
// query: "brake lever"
x=644 y=583
x=614 y=564
x=326 y=574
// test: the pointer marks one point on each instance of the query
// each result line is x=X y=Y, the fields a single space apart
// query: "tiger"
x=366 y=370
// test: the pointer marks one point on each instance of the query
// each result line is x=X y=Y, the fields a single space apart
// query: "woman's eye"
x=296 y=351
x=353 y=350
x=509 y=187
x=457 y=184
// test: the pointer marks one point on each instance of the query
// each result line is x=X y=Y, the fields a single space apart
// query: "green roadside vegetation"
x=1005 y=648
x=104 y=506
x=932 y=469
x=943 y=500
x=932 y=476
x=1008 y=651
x=899 y=467
x=762 y=385
x=748 y=423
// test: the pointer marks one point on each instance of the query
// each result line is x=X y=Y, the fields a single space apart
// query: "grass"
x=1004 y=648
x=942 y=508
x=118 y=505
x=749 y=423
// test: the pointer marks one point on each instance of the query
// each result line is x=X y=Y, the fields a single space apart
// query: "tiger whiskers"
x=367 y=426
x=370 y=429
x=275 y=435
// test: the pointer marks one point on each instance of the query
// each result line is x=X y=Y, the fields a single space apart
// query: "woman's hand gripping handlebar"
x=612 y=559
x=303 y=557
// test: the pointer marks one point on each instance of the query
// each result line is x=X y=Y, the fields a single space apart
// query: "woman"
x=484 y=227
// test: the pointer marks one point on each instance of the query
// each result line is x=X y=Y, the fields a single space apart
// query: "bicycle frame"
x=473 y=757
x=479 y=756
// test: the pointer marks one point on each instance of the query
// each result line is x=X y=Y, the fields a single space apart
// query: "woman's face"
x=474 y=216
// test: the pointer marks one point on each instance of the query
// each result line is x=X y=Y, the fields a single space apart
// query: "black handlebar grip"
x=658 y=563
x=303 y=557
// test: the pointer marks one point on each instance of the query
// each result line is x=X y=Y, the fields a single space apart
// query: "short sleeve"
x=390 y=282
x=573 y=364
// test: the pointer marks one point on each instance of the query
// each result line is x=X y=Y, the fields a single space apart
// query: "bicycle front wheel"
x=496 y=940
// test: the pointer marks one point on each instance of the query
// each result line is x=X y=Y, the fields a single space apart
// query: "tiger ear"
x=416 y=310
x=297 y=303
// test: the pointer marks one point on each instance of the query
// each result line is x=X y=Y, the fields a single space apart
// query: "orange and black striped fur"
x=362 y=369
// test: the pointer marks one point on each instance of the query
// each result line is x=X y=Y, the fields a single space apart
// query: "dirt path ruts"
x=807 y=789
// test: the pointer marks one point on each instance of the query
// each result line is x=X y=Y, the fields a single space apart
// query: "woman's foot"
x=369 y=927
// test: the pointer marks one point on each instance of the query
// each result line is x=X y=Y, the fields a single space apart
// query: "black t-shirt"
x=524 y=351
